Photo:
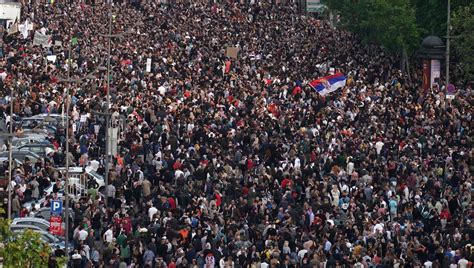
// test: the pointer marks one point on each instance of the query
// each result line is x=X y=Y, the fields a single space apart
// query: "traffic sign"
x=450 y=92
x=451 y=89
x=56 y=207
x=55 y=225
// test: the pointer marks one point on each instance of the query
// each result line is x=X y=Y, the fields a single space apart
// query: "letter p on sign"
x=56 y=207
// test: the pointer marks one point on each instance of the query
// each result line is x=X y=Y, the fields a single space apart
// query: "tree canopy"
x=24 y=249
x=463 y=41
x=399 y=25
x=389 y=23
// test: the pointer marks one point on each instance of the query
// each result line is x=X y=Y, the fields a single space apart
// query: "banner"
x=426 y=75
x=148 y=65
x=51 y=58
x=43 y=40
x=232 y=52
x=23 y=28
x=13 y=28
x=314 y=6
x=435 y=71
x=55 y=225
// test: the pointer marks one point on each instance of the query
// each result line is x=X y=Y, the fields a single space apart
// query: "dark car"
x=45 y=213
x=42 y=149
x=21 y=155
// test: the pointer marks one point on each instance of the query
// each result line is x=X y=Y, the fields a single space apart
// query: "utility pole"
x=448 y=29
x=10 y=158
x=66 y=183
x=67 y=98
x=107 y=109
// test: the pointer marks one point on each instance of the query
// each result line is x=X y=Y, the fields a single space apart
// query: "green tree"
x=463 y=41
x=431 y=15
x=390 y=23
x=25 y=249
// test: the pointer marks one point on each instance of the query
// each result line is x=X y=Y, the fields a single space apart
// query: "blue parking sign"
x=56 y=207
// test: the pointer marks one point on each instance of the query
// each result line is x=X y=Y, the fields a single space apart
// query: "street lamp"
x=10 y=165
x=68 y=80
x=448 y=23
x=10 y=135
x=10 y=156
x=107 y=109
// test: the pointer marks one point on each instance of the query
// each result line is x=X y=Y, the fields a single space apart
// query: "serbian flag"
x=328 y=84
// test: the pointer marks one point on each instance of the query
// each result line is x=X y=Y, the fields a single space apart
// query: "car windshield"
x=49 y=238
x=96 y=175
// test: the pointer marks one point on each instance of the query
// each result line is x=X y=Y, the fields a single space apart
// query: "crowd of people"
x=227 y=161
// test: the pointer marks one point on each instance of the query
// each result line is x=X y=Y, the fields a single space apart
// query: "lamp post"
x=69 y=81
x=107 y=108
x=448 y=23
x=10 y=135
x=10 y=156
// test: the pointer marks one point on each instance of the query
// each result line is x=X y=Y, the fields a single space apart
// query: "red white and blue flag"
x=328 y=84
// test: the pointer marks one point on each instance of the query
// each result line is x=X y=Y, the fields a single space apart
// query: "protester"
x=235 y=161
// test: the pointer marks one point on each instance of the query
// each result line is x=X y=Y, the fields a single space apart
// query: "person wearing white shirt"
x=327 y=245
x=86 y=251
x=4 y=147
x=82 y=235
x=428 y=264
x=264 y=264
x=108 y=235
x=462 y=263
x=379 y=146
x=152 y=211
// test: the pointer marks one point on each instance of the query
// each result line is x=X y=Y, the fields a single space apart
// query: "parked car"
x=40 y=223
x=21 y=155
x=21 y=227
x=42 y=149
x=40 y=129
x=45 y=214
x=48 y=238
x=16 y=162
x=55 y=120
x=29 y=139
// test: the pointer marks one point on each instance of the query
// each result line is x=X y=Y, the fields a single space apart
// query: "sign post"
x=55 y=225
x=55 y=222
x=56 y=207
x=314 y=6
x=450 y=91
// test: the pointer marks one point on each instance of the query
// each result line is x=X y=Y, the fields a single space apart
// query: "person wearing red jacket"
x=445 y=217
x=286 y=182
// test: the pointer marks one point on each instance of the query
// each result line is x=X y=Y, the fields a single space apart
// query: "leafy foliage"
x=399 y=24
x=24 y=249
x=390 y=23
x=431 y=15
x=463 y=43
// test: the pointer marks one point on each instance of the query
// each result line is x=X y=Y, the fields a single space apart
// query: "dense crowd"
x=237 y=162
